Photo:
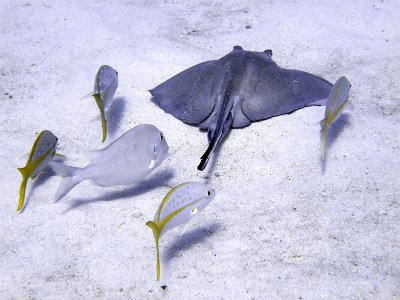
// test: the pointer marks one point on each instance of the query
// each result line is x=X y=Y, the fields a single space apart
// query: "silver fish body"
x=179 y=205
x=337 y=101
x=106 y=84
x=127 y=160
x=42 y=153
x=46 y=142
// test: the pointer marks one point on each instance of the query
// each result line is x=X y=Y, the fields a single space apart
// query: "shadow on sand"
x=114 y=115
x=334 y=132
x=158 y=179
x=188 y=240
x=41 y=178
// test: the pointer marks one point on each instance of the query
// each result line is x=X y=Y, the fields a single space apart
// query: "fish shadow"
x=114 y=114
x=188 y=240
x=158 y=179
x=333 y=133
x=40 y=179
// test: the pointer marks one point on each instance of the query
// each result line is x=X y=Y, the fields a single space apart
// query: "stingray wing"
x=272 y=91
x=190 y=95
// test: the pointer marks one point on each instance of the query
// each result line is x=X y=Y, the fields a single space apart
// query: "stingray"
x=235 y=90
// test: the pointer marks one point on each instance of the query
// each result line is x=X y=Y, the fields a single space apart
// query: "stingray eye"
x=116 y=72
x=237 y=47
x=268 y=52
x=209 y=193
x=161 y=136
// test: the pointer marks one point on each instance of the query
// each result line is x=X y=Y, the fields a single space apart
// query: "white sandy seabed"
x=279 y=226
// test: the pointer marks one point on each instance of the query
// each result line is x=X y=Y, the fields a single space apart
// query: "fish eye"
x=209 y=193
x=116 y=72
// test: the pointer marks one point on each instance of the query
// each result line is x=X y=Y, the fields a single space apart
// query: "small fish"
x=178 y=206
x=129 y=159
x=338 y=99
x=41 y=154
x=105 y=86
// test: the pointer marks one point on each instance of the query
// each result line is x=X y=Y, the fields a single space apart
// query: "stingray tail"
x=219 y=133
x=206 y=156
x=71 y=178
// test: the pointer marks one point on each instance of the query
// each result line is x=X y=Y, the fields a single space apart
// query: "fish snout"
x=161 y=149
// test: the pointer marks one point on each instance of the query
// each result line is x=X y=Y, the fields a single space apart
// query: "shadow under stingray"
x=40 y=179
x=114 y=114
x=334 y=132
x=158 y=179
x=188 y=240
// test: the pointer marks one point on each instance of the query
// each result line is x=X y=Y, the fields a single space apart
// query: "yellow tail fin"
x=324 y=133
x=156 y=234
x=22 y=188
x=102 y=115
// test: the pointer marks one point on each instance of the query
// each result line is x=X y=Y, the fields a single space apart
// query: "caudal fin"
x=65 y=186
x=68 y=182
x=156 y=234
x=61 y=169
x=102 y=115
x=25 y=176
x=324 y=134
x=103 y=125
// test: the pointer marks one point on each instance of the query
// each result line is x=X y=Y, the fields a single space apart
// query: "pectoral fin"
x=87 y=96
x=349 y=105
x=61 y=156
x=197 y=217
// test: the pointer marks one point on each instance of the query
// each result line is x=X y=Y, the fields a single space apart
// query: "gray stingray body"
x=240 y=88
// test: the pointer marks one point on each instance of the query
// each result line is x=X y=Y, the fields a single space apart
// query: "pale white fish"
x=338 y=99
x=178 y=206
x=127 y=160
x=43 y=151
x=105 y=86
